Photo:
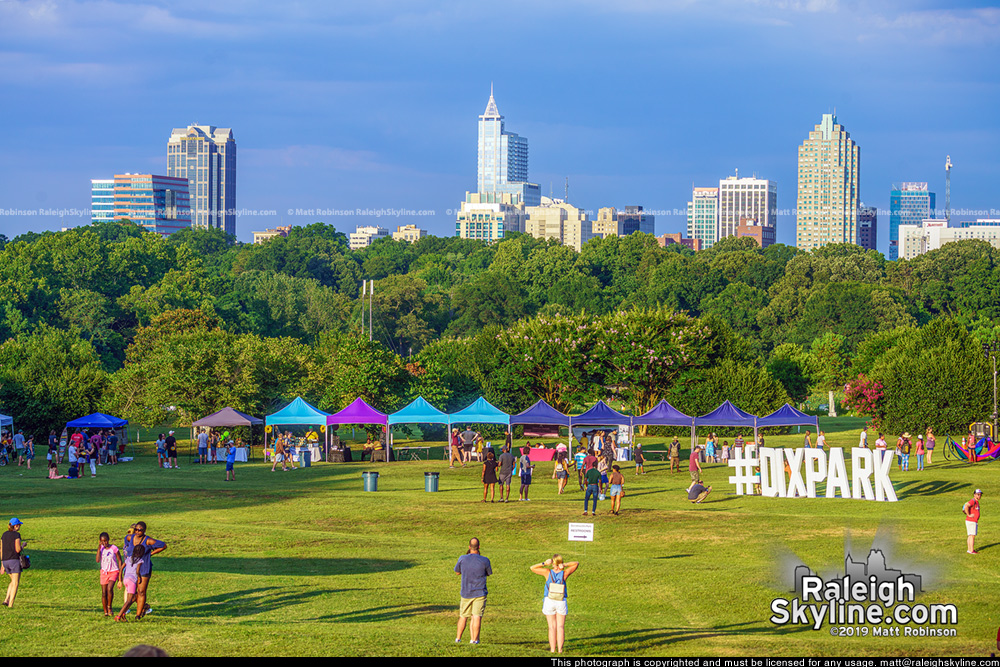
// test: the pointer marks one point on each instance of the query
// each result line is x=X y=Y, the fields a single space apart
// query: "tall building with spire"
x=829 y=186
x=206 y=156
x=503 y=159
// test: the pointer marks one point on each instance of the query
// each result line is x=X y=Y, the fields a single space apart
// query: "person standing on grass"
x=920 y=452
x=468 y=438
x=111 y=567
x=863 y=442
x=161 y=451
x=29 y=450
x=561 y=471
x=694 y=466
x=90 y=455
x=674 y=450
x=19 y=447
x=507 y=461
x=473 y=568
x=53 y=453
x=490 y=477
x=640 y=460
x=137 y=536
x=593 y=476
x=10 y=559
x=881 y=445
x=113 y=447
x=821 y=440
x=971 y=512
x=231 y=462
x=130 y=577
x=456 y=449
x=807 y=443
x=171 y=444
x=616 y=489
x=526 y=468
x=578 y=463
x=279 y=454
x=213 y=444
x=929 y=444
x=555 y=603
x=203 y=447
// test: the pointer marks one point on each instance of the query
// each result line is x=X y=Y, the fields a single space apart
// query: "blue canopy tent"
x=6 y=421
x=97 y=420
x=298 y=413
x=786 y=415
x=480 y=412
x=664 y=414
x=419 y=411
x=102 y=421
x=728 y=414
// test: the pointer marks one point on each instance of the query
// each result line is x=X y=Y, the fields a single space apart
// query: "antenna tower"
x=947 y=190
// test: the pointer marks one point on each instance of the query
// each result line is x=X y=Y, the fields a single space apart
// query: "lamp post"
x=990 y=352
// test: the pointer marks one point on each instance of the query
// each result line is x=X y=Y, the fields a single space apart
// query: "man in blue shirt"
x=473 y=568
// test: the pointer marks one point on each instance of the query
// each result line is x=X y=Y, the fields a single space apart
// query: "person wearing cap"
x=971 y=512
x=10 y=559
x=921 y=450
x=171 y=444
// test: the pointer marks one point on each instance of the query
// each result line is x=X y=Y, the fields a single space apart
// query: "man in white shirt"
x=863 y=442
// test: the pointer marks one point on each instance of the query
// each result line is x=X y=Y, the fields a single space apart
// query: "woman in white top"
x=555 y=605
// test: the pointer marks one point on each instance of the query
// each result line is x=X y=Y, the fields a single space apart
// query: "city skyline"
x=350 y=123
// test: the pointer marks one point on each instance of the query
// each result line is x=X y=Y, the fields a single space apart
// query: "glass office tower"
x=206 y=156
x=909 y=204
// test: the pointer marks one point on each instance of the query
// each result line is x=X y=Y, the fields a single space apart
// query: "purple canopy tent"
x=664 y=414
x=601 y=415
x=786 y=415
x=728 y=414
x=359 y=412
x=540 y=414
x=229 y=417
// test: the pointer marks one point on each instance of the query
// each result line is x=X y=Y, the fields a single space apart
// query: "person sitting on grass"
x=698 y=492
x=54 y=471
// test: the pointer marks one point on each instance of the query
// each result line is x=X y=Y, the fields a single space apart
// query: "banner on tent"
x=796 y=473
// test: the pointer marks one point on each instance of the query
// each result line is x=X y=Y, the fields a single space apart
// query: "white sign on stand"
x=581 y=532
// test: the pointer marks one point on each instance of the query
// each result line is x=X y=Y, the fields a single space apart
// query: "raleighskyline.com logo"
x=870 y=599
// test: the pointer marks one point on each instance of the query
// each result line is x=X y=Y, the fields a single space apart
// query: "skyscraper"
x=206 y=156
x=633 y=219
x=703 y=216
x=829 y=192
x=158 y=203
x=909 y=204
x=748 y=200
x=868 y=227
x=102 y=199
x=503 y=158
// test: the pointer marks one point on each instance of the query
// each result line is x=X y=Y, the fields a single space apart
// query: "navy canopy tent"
x=601 y=415
x=728 y=414
x=786 y=415
x=541 y=413
x=664 y=414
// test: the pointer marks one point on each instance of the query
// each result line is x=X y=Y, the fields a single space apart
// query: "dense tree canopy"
x=168 y=329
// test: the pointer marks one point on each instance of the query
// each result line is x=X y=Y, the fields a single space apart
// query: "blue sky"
x=347 y=106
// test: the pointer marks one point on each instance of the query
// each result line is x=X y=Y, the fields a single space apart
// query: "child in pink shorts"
x=130 y=577
x=111 y=566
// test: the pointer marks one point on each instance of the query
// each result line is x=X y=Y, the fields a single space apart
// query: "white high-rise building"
x=742 y=200
x=503 y=159
x=364 y=235
x=206 y=156
x=556 y=219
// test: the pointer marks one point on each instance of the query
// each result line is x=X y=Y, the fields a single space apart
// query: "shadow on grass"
x=84 y=560
x=650 y=638
x=386 y=613
x=673 y=556
x=247 y=602
x=989 y=546
x=931 y=488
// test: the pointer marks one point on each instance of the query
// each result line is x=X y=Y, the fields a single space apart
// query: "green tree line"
x=109 y=316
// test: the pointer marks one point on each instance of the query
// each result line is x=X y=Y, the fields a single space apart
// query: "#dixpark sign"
x=795 y=473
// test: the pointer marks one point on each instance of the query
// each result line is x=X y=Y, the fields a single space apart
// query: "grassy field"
x=305 y=563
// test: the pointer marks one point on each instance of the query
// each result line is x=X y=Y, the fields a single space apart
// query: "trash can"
x=371 y=481
x=431 y=481
x=305 y=457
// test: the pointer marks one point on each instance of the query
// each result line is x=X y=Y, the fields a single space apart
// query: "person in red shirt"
x=971 y=511
x=694 y=465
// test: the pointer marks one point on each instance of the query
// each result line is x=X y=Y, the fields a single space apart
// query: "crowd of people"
x=83 y=447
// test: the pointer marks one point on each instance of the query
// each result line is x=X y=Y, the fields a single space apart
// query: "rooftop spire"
x=491 y=106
